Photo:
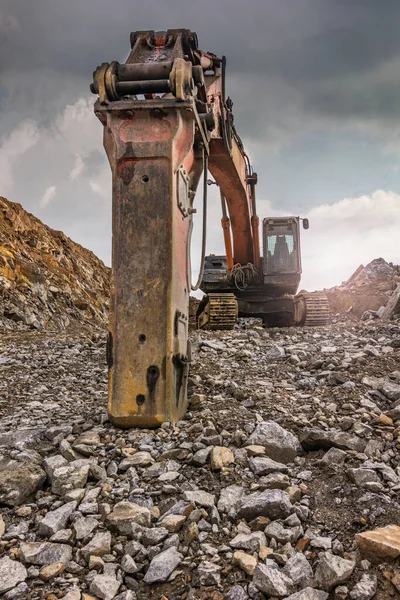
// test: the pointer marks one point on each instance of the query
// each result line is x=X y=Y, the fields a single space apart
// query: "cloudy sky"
x=316 y=91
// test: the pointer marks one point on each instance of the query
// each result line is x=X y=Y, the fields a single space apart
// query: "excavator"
x=167 y=123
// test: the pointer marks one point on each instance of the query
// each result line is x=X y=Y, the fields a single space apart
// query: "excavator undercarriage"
x=167 y=122
x=221 y=311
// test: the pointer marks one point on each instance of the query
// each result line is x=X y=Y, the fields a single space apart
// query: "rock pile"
x=47 y=281
x=281 y=482
x=368 y=289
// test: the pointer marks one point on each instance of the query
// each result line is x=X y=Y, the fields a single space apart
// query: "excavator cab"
x=281 y=247
x=281 y=264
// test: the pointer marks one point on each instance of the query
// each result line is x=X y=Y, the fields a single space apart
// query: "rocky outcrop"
x=392 y=309
x=368 y=289
x=47 y=281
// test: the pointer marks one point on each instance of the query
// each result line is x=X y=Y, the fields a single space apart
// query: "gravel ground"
x=289 y=451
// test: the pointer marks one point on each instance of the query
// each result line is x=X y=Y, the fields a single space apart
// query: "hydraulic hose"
x=204 y=234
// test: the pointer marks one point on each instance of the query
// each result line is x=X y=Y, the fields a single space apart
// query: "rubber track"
x=223 y=311
x=317 y=310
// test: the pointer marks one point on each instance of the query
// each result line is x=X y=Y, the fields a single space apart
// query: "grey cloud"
x=292 y=63
x=298 y=41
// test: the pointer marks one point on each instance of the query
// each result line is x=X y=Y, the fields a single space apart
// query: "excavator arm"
x=231 y=169
x=165 y=120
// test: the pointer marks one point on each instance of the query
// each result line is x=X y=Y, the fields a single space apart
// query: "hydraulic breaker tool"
x=156 y=135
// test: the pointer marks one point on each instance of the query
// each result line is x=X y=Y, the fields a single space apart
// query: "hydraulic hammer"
x=156 y=131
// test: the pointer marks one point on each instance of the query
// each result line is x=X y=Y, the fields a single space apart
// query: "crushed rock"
x=266 y=486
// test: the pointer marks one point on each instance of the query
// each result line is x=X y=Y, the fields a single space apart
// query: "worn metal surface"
x=149 y=351
x=156 y=149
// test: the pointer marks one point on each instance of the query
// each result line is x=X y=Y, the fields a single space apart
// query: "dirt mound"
x=47 y=281
x=368 y=289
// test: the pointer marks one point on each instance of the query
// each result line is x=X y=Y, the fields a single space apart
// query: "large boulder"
x=274 y=504
x=333 y=570
x=12 y=573
x=298 y=569
x=200 y=497
x=271 y=581
x=19 y=481
x=380 y=544
x=315 y=439
x=261 y=465
x=126 y=517
x=230 y=499
x=162 y=566
x=99 y=545
x=366 y=588
x=56 y=519
x=65 y=476
x=279 y=444
x=21 y=437
x=251 y=542
x=45 y=553
x=105 y=586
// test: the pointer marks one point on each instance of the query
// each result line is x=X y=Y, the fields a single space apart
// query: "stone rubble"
x=333 y=570
x=271 y=581
x=47 y=281
x=12 y=573
x=365 y=589
x=282 y=481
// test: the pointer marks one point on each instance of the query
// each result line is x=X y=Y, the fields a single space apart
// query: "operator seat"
x=281 y=253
